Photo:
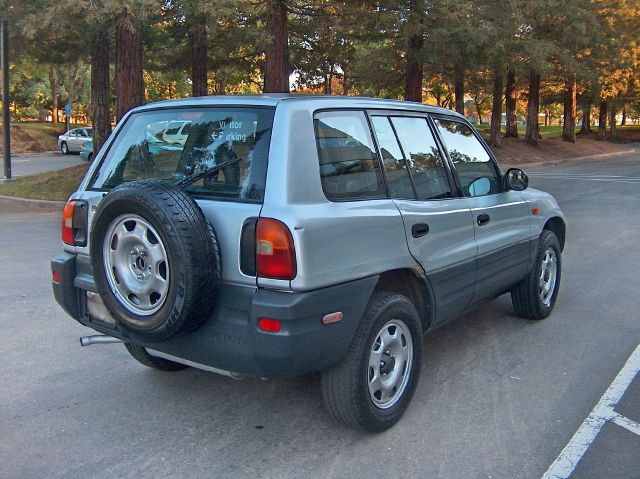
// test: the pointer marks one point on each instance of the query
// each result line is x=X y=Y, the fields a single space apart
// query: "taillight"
x=74 y=223
x=275 y=256
x=67 y=223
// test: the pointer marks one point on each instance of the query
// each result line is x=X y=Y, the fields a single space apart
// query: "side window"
x=349 y=166
x=477 y=171
x=423 y=158
x=395 y=166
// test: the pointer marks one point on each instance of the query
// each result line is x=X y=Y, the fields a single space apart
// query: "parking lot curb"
x=575 y=159
x=41 y=205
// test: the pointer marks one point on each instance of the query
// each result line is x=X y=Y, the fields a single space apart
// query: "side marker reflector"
x=269 y=325
x=535 y=210
x=332 y=318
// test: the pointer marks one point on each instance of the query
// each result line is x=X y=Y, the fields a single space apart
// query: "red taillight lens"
x=67 y=223
x=275 y=256
x=56 y=277
x=269 y=325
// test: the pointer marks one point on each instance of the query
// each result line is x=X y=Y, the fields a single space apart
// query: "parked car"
x=298 y=234
x=176 y=132
x=86 y=151
x=72 y=140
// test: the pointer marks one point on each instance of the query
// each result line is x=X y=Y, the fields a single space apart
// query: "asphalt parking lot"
x=33 y=163
x=499 y=397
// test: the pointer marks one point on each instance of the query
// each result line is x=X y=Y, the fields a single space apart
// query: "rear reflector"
x=269 y=325
x=56 y=277
x=275 y=255
x=67 y=223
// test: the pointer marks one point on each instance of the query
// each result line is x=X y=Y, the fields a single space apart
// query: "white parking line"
x=568 y=176
x=568 y=459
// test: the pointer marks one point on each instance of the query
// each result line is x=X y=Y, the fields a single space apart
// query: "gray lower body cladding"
x=230 y=339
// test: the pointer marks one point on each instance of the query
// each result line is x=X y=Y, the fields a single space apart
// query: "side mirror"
x=515 y=179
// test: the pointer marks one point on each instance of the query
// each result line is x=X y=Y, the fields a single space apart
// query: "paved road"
x=33 y=163
x=499 y=397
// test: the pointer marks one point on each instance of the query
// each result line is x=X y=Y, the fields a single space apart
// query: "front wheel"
x=535 y=296
x=373 y=385
x=64 y=148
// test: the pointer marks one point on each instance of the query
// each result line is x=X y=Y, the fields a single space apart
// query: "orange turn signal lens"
x=67 y=223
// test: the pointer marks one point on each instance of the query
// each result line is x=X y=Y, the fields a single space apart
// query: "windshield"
x=151 y=146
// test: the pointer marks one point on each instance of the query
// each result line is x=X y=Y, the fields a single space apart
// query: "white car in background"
x=72 y=140
x=177 y=132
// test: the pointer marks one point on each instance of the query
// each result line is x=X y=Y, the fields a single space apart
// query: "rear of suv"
x=296 y=234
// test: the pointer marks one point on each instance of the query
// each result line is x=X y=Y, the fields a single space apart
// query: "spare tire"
x=155 y=259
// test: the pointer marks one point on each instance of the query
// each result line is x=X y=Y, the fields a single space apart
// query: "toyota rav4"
x=292 y=234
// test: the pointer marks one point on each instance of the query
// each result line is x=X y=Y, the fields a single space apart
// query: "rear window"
x=145 y=149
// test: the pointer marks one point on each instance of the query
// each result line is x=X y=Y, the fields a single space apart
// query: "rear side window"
x=395 y=166
x=169 y=145
x=423 y=158
x=476 y=170
x=349 y=166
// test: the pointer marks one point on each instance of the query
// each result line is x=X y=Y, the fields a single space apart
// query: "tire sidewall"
x=548 y=240
x=381 y=419
x=64 y=148
x=160 y=324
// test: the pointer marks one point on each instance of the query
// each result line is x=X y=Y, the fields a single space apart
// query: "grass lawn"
x=553 y=131
x=54 y=185
x=35 y=136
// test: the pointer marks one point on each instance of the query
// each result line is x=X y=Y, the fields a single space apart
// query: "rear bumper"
x=230 y=339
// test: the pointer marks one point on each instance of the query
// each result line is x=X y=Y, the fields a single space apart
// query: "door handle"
x=419 y=229
x=483 y=219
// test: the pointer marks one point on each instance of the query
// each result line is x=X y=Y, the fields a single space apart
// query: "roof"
x=318 y=101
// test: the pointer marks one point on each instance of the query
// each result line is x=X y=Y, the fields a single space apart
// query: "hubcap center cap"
x=387 y=363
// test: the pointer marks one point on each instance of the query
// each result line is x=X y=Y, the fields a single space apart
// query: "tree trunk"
x=414 y=69
x=623 y=121
x=53 y=85
x=602 y=120
x=276 y=71
x=569 y=122
x=459 y=86
x=496 y=109
x=612 y=122
x=585 y=127
x=511 y=129
x=478 y=111
x=533 y=108
x=129 y=73
x=198 y=38
x=100 y=102
x=345 y=82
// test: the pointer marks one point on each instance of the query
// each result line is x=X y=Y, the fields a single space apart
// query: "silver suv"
x=296 y=234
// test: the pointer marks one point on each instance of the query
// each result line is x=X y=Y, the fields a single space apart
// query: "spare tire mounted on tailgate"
x=155 y=260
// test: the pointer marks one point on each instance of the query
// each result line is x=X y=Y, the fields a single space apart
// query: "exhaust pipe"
x=98 y=339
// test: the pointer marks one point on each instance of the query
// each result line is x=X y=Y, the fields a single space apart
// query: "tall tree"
x=569 y=125
x=414 y=73
x=511 y=127
x=533 y=109
x=100 y=97
x=198 y=39
x=276 y=66
x=129 y=67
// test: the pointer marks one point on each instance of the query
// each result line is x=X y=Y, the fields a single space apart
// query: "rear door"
x=501 y=218
x=438 y=225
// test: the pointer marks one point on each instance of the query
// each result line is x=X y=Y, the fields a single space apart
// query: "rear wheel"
x=142 y=356
x=535 y=296
x=373 y=385
x=64 y=148
x=90 y=158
